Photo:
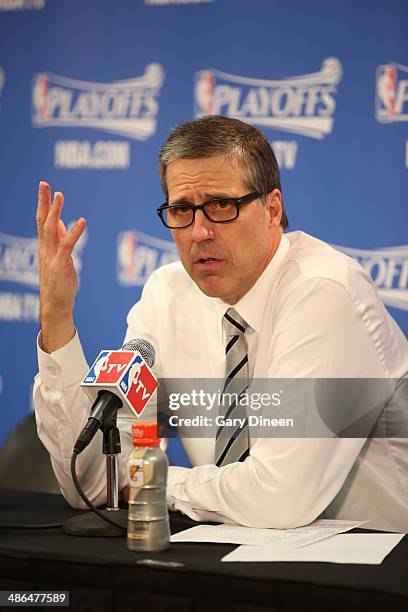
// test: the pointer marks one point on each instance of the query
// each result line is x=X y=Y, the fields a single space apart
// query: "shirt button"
x=53 y=371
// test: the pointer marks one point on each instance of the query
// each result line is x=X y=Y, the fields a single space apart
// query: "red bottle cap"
x=145 y=434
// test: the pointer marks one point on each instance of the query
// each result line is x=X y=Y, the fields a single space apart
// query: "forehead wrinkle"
x=203 y=183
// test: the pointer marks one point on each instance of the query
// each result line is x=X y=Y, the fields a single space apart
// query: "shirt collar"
x=251 y=306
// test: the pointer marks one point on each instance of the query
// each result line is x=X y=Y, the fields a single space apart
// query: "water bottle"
x=148 y=518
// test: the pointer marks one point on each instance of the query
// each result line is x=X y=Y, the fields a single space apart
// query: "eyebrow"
x=207 y=198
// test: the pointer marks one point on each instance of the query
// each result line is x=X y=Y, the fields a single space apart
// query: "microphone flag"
x=124 y=373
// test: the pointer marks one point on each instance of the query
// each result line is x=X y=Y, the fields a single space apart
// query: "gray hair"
x=238 y=141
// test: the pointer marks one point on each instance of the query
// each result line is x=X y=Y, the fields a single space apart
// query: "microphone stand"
x=89 y=523
x=111 y=448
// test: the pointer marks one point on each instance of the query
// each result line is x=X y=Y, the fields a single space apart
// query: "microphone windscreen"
x=144 y=348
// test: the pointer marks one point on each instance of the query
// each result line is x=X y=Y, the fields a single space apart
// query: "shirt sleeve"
x=62 y=409
x=318 y=332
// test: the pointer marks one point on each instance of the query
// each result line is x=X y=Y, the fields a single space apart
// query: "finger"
x=62 y=230
x=43 y=206
x=51 y=238
x=68 y=243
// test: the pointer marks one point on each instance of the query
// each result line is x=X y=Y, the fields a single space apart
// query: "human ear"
x=274 y=207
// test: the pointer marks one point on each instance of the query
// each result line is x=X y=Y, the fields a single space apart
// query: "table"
x=102 y=575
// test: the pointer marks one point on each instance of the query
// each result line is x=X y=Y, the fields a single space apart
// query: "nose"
x=202 y=228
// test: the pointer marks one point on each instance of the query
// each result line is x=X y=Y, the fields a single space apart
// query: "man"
x=249 y=302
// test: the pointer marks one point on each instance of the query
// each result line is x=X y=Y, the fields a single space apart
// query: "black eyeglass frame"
x=245 y=199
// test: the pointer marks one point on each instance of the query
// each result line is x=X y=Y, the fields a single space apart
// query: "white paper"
x=234 y=534
x=366 y=548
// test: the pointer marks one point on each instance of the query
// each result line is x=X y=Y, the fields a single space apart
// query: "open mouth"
x=206 y=260
x=208 y=263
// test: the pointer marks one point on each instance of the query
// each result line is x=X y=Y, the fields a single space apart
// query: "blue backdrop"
x=89 y=91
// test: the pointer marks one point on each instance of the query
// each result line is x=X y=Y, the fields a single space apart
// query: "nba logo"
x=391 y=93
x=386 y=92
x=40 y=98
x=204 y=93
x=127 y=247
x=94 y=372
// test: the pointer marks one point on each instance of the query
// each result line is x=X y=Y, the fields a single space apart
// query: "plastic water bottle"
x=148 y=518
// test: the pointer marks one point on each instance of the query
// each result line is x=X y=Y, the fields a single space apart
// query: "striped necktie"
x=232 y=442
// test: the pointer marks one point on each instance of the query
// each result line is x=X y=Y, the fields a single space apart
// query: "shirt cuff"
x=176 y=476
x=63 y=367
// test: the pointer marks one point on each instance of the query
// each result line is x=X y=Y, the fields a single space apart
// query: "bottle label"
x=136 y=473
x=139 y=530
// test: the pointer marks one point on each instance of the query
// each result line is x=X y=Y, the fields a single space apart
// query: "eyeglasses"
x=219 y=210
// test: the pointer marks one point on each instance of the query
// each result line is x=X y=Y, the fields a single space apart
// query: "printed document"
x=293 y=538
x=363 y=548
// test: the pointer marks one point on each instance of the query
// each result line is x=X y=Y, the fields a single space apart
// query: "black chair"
x=24 y=461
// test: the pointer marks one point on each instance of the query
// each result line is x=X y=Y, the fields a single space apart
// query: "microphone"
x=117 y=377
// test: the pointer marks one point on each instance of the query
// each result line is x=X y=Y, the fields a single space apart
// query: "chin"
x=214 y=292
x=210 y=290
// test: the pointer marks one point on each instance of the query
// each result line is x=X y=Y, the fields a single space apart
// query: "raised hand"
x=58 y=279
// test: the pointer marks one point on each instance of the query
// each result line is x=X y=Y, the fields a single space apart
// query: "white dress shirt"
x=313 y=313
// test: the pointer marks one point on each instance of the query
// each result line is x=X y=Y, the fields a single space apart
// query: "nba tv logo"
x=391 y=102
x=125 y=374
